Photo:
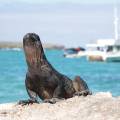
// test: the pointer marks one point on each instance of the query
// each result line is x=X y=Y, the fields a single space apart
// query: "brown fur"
x=43 y=80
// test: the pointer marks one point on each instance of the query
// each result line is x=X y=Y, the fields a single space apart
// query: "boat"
x=106 y=49
x=74 y=52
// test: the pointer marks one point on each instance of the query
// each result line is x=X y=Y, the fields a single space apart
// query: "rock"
x=101 y=106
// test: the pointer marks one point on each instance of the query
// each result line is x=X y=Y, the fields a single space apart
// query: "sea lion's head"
x=33 y=49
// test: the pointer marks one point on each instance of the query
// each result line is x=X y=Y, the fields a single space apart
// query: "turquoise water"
x=100 y=76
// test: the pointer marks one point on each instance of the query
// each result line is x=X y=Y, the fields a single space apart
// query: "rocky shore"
x=101 y=106
x=19 y=45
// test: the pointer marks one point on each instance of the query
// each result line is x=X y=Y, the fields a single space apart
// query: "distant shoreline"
x=20 y=45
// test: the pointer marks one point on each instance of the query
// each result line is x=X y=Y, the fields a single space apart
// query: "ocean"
x=100 y=76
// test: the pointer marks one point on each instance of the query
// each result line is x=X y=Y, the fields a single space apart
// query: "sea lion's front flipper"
x=33 y=98
x=27 y=102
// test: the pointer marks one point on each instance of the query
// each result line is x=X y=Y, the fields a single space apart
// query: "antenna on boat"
x=116 y=22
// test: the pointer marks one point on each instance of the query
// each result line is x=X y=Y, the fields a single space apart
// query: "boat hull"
x=95 y=58
x=104 y=57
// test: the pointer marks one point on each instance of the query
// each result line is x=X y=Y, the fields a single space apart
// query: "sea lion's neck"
x=35 y=58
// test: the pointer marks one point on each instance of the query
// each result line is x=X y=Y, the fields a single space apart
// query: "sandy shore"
x=101 y=106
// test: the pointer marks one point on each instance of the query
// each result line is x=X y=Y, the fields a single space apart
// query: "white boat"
x=105 y=49
x=74 y=52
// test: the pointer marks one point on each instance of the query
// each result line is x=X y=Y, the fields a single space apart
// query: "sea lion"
x=43 y=80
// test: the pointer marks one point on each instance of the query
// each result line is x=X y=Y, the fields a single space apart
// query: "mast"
x=116 y=23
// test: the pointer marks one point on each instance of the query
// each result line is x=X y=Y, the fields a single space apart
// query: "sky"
x=63 y=1
x=64 y=22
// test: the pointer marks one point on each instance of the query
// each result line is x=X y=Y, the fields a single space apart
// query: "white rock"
x=101 y=106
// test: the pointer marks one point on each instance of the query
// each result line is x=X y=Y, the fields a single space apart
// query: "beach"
x=99 y=106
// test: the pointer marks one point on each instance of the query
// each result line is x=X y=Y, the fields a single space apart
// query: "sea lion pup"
x=43 y=80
